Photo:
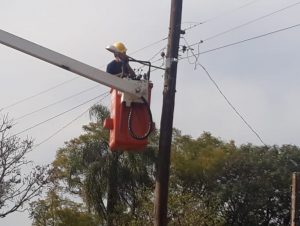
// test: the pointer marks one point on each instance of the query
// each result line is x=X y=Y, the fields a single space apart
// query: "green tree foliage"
x=115 y=186
x=196 y=165
x=212 y=182
x=228 y=185
x=55 y=211
x=253 y=188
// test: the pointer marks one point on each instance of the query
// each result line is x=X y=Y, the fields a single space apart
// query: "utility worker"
x=119 y=66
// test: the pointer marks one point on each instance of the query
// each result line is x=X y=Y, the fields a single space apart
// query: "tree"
x=196 y=165
x=16 y=188
x=116 y=186
x=246 y=185
x=212 y=182
x=57 y=211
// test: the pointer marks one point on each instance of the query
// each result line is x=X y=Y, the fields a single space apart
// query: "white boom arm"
x=133 y=87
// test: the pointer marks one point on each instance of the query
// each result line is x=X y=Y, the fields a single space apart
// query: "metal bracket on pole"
x=169 y=62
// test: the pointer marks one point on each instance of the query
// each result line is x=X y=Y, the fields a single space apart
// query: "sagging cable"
x=150 y=127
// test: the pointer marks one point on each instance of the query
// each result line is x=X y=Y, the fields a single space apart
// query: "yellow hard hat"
x=120 y=47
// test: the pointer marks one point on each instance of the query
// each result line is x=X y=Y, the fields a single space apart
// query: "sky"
x=259 y=77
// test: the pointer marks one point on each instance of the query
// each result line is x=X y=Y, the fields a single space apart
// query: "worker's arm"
x=125 y=59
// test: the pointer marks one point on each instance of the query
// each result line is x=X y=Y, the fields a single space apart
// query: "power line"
x=191 y=27
x=250 y=22
x=232 y=107
x=159 y=52
x=156 y=67
x=65 y=126
x=245 y=40
x=196 y=25
x=225 y=97
x=49 y=119
x=162 y=58
x=147 y=46
x=40 y=93
x=138 y=50
x=57 y=102
x=223 y=14
x=65 y=82
x=62 y=128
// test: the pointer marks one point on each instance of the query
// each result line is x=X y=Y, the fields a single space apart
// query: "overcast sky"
x=260 y=77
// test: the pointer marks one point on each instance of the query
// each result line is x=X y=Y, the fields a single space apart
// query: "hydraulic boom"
x=130 y=124
x=136 y=88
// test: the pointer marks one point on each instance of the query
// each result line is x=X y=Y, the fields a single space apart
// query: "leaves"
x=249 y=185
x=114 y=186
x=212 y=182
x=58 y=211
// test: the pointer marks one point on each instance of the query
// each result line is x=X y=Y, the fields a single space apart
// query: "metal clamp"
x=169 y=62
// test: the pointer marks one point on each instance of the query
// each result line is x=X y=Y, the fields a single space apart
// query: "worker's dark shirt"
x=116 y=67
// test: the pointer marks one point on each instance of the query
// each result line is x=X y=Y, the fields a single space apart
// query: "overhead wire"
x=65 y=126
x=239 y=42
x=249 y=22
x=70 y=80
x=60 y=114
x=149 y=45
x=39 y=93
x=245 y=40
x=225 y=97
x=51 y=88
x=221 y=15
x=138 y=50
x=232 y=106
x=191 y=27
x=62 y=128
x=57 y=102
x=156 y=54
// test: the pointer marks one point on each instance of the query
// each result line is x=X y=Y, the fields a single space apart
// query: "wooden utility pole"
x=166 y=125
x=295 y=221
x=112 y=188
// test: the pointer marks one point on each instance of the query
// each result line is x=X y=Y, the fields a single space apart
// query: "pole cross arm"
x=137 y=88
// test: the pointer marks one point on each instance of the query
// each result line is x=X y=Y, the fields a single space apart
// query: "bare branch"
x=16 y=188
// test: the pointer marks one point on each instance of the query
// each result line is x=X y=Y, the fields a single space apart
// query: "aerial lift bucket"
x=129 y=125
